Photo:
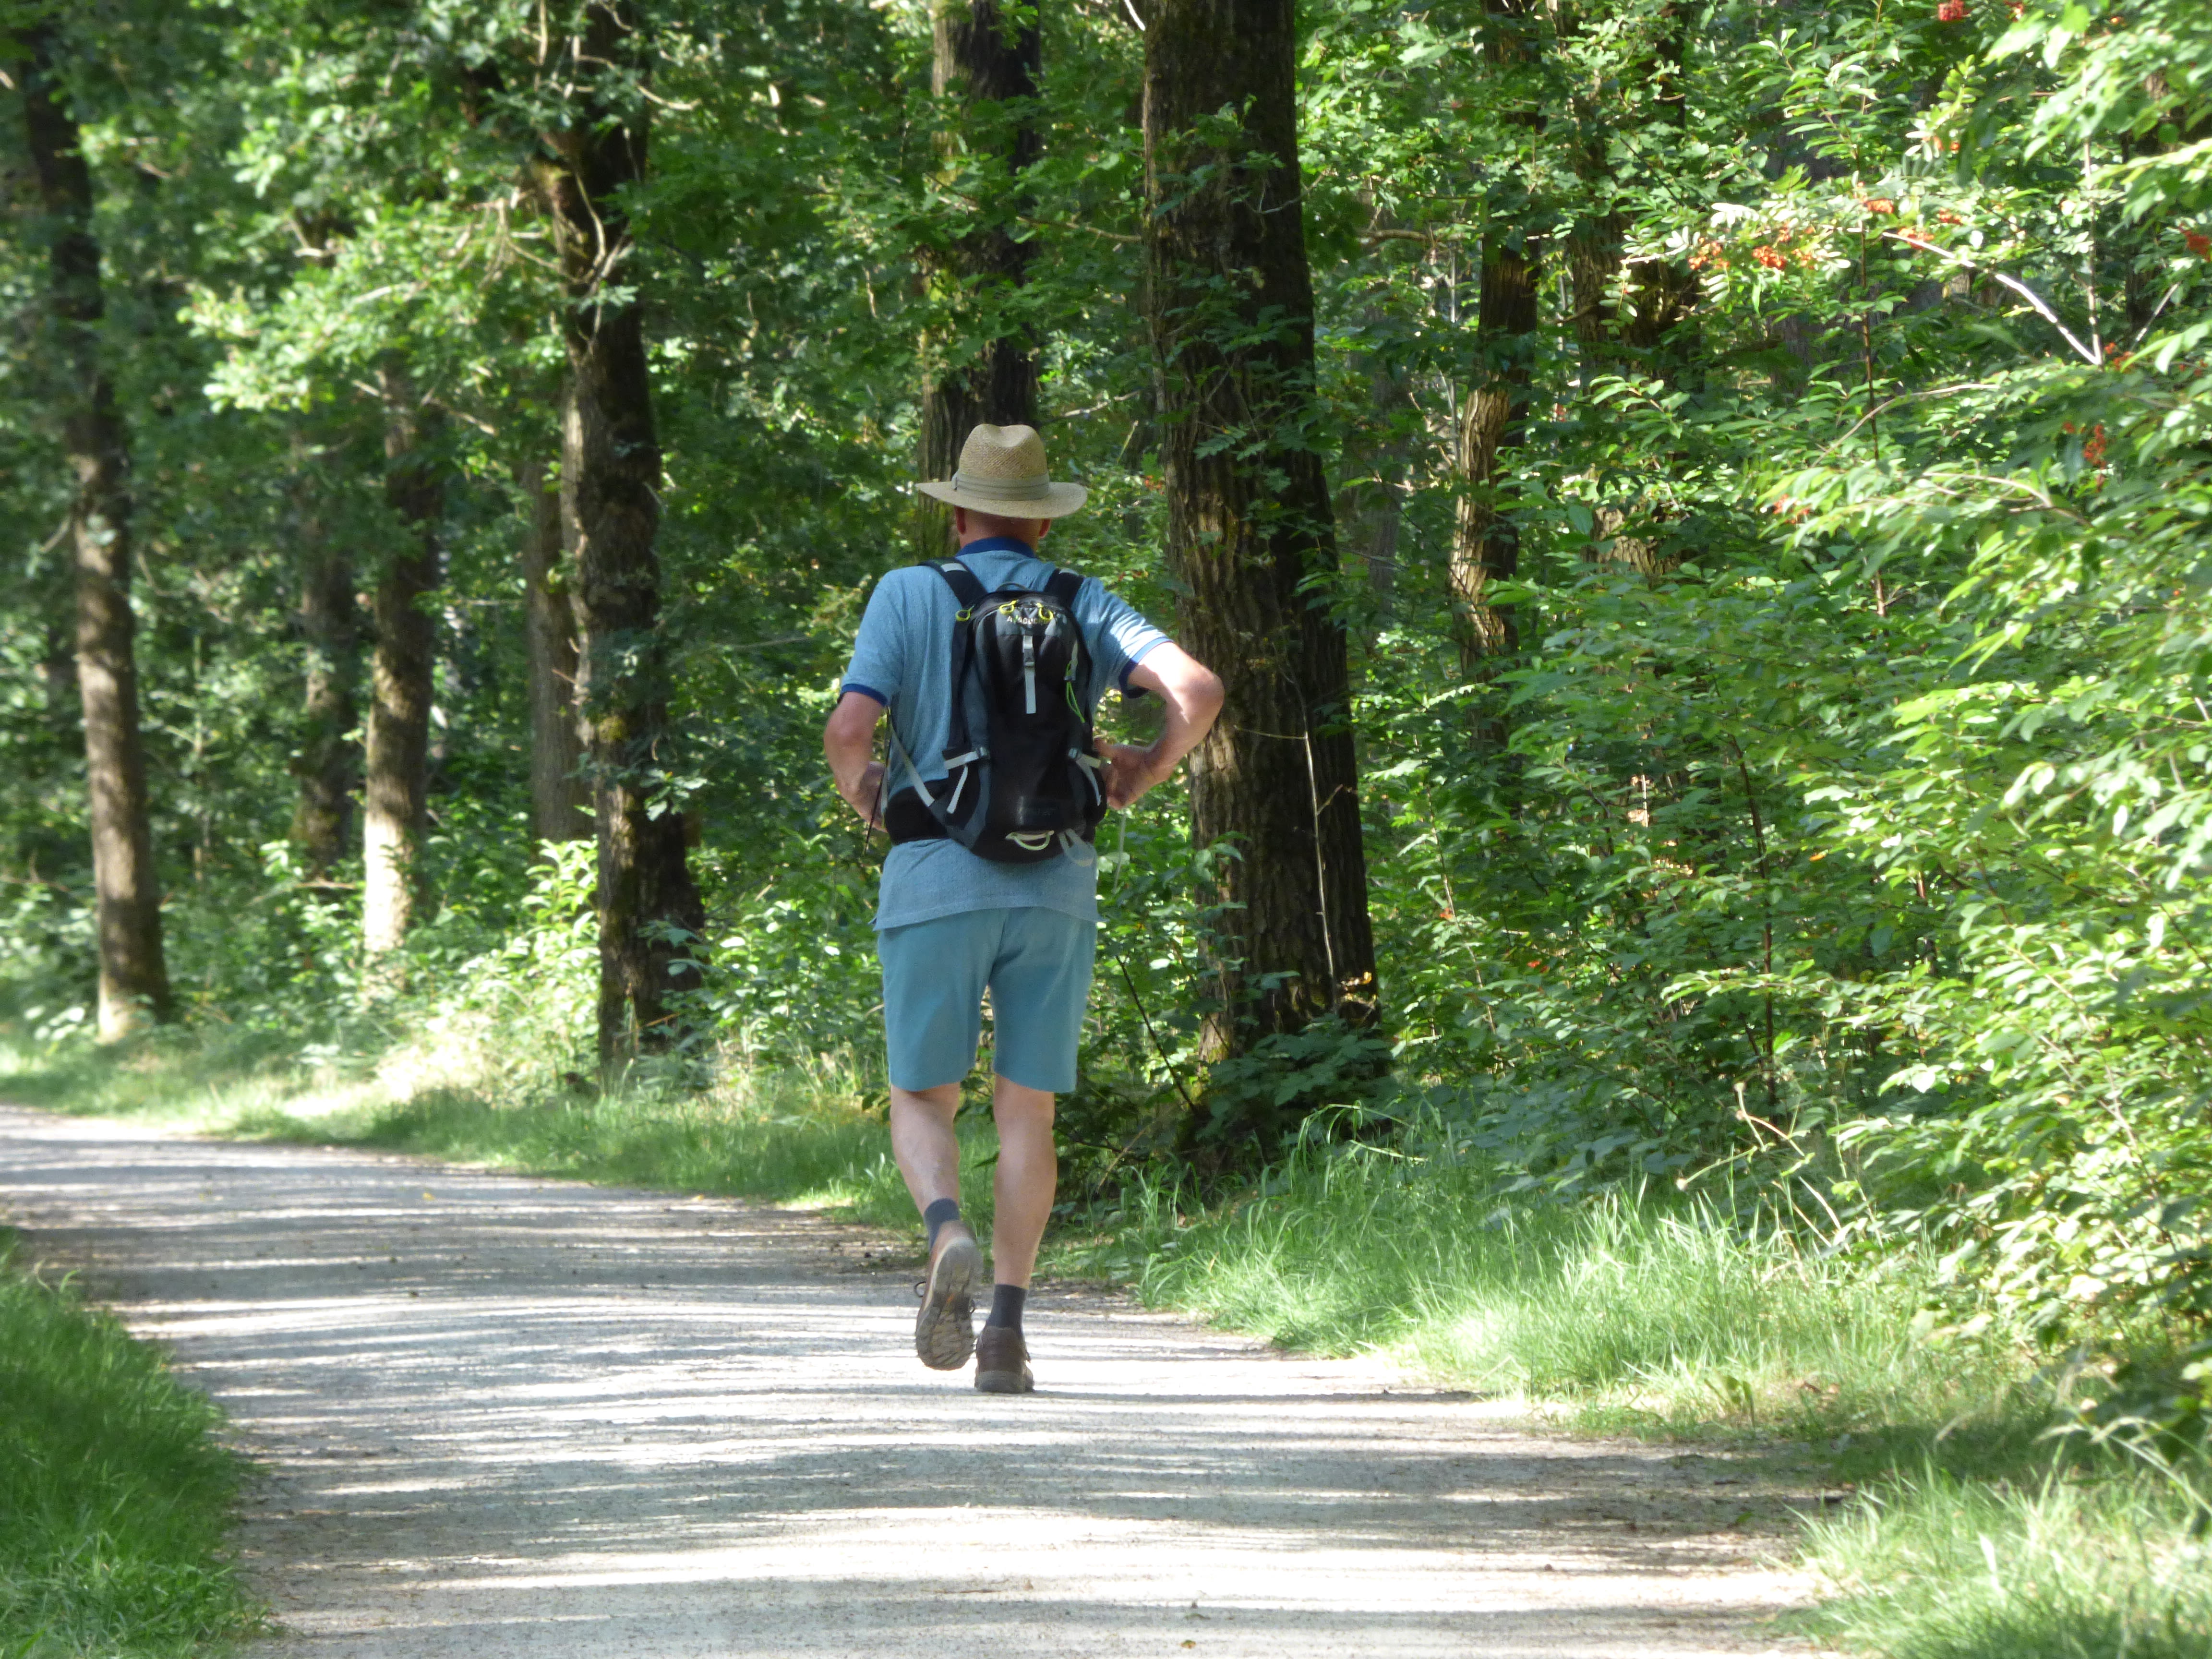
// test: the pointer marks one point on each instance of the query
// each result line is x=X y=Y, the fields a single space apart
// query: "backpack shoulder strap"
x=1063 y=588
x=968 y=592
x=961 y=580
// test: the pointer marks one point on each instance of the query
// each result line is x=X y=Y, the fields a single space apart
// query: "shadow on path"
x=509 y=1417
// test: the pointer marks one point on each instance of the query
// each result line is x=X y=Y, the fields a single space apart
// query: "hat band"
x=1004 y=490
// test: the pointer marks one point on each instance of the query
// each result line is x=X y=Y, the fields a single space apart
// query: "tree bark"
x=134 y=978
x=401 y=674
x=1492 y=429
x=610 y=505
x=325 y=763
x=980 y=61
x=1493 y=422
x=560 y=797
x=1373 y=509
x=1594 y=252
x=1250 y=530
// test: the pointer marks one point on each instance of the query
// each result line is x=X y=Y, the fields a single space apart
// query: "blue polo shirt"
x=903 y=657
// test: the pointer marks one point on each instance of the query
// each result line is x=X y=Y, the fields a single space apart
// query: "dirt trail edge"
x=505 y=1418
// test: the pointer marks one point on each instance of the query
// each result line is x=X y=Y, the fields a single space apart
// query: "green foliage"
x=1850 y=820
x=1840 y=888
x=115 y=1498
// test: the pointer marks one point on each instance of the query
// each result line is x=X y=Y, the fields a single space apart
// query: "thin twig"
x=1887 y=404
x=2042 y=306
x=1429 y=238
x=1174 y=1075
x=1089 y=230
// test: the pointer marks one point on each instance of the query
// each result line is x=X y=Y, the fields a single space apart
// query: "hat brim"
x=1058 y=500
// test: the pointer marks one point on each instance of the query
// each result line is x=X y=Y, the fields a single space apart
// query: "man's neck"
x=995 y=543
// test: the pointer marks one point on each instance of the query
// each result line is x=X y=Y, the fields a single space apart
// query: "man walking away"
x=992 y=882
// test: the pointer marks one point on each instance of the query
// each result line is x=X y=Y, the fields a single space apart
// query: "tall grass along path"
x=500 y=1416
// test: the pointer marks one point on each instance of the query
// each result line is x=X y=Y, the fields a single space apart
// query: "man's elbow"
x=1201 y=695
x=1186 y=686
x=1209 y=694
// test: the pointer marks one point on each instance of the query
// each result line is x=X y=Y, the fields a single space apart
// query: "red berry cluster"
x=1778 y=254
x=2198 y=243
x=2093 y=448
x=1951 y=11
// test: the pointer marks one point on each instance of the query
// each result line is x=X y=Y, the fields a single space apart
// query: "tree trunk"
x=610 y=505
x=1492 y=429
x=134 y=978
x=400 y=682
x=1663 y=292
x=980 y=62
x=1493 y=422
x=1372 y=510
x=1249 y=522
x=560 y=798
x=1660 y=292
x=324 y=764
x=1593 y=251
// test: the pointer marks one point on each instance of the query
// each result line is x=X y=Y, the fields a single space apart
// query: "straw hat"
x=1002 y=471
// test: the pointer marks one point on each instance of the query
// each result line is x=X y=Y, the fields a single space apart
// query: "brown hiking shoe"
x=944 y=1328
x=1002 y=1362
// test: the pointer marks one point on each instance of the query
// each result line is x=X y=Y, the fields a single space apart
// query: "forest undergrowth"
x=115 y=1498
x=1994 y=1510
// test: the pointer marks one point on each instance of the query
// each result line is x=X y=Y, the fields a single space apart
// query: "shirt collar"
x=1000 y=545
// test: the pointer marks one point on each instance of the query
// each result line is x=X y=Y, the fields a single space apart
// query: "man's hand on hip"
x=1130 y=772
x=845 y=740
x=864 y=795
x=1191 y=695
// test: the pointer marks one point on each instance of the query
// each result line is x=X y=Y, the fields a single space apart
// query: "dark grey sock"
x=1006 y=1301
x=945 y=1210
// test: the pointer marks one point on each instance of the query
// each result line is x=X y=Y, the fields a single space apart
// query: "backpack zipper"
x=1029 y=667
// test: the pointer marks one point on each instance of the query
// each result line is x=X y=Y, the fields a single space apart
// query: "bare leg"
x=1028 y=1176
x=923 y=1141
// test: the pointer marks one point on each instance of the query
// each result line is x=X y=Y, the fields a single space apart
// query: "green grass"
x=115 y=1498
x=1937 y=1567
x=1646 y=1313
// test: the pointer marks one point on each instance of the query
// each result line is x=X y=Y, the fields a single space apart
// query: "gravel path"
x=505 y=1418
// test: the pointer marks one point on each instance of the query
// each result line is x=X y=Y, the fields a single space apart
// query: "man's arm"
x=849 y=741
x=1191 y=693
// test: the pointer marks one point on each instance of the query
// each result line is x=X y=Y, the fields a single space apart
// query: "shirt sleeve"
x=1119 y=637
x=877 y=668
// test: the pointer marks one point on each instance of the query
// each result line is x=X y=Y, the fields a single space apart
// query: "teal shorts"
x=1036 y=963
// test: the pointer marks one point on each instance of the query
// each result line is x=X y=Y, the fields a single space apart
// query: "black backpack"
x=1031 y=787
